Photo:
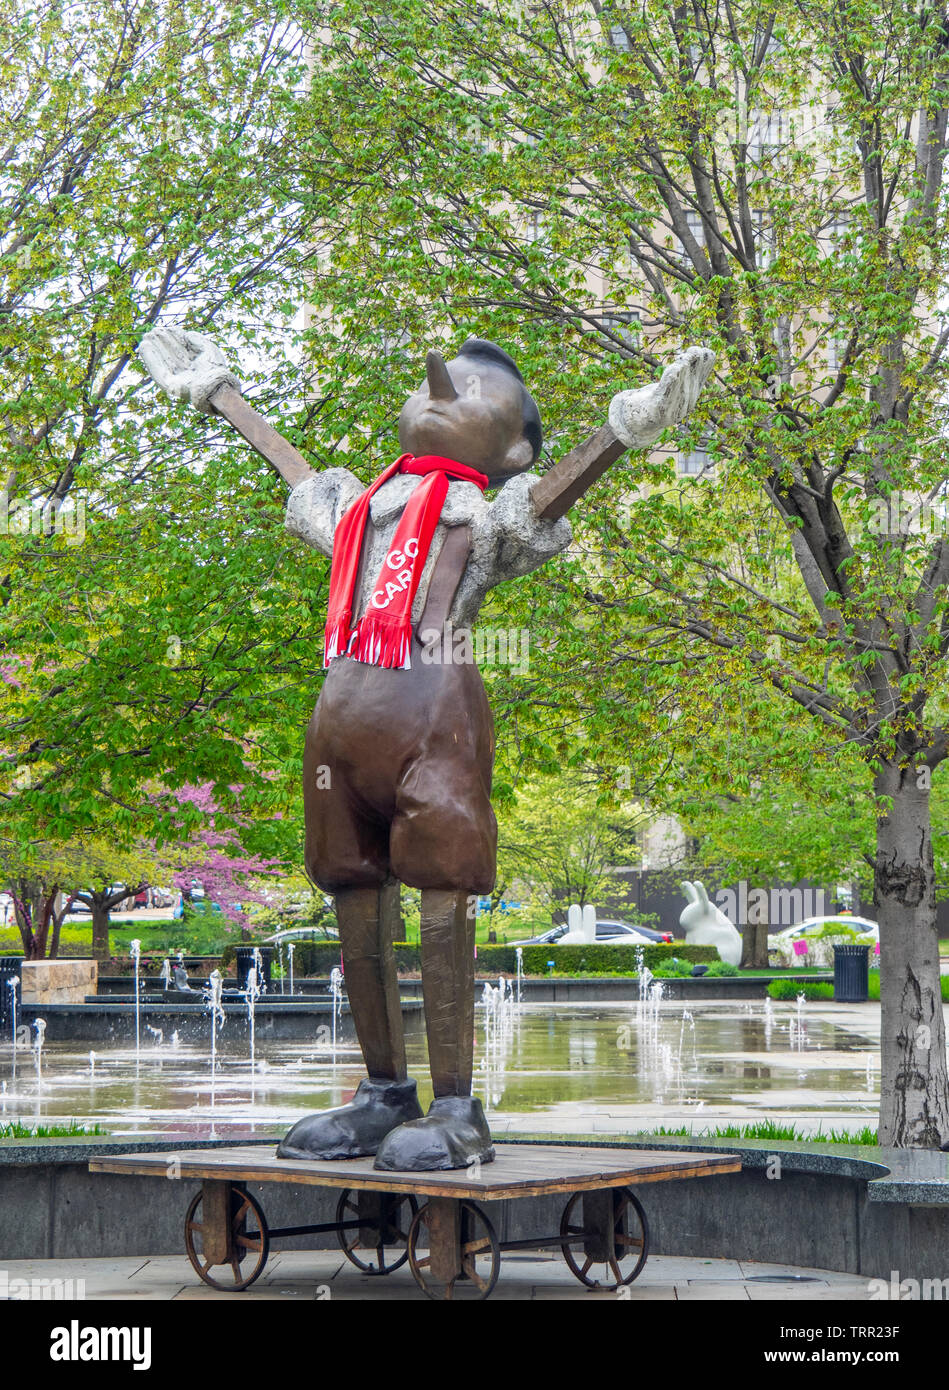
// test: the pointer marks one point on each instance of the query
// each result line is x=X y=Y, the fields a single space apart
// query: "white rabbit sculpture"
x=706 y=925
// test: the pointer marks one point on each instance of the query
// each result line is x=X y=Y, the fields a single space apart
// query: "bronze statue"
x=398 y=754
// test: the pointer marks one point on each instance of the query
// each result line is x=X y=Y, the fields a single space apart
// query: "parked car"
x=609 y=930
x=318 y=934
x=608 y=933
x=811 y=926
x=545 y=938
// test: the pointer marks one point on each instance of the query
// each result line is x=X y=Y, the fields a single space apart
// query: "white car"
x=811 y=926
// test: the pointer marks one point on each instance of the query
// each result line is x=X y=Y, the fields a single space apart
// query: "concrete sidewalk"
x=524 y=1276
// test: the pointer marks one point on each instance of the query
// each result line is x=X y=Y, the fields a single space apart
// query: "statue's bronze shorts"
x=397 y=778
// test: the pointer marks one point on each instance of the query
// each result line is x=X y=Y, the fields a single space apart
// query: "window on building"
x=772 y=49
x=767 y=136
x=765 y=240
x=619 y=39
x=622 y=324
x=534 y=230
x=691 y=462
x=836 y=350
x=836 y=232
x=394 y=342
x=696 y=226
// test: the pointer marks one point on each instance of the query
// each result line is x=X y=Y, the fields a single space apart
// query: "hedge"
x=319 y=957
x=615 y=960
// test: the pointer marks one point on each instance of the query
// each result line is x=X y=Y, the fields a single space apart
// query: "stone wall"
x=44 y=982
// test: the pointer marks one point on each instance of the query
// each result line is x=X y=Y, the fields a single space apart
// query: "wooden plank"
x=444 y=1239
x=539 y=1162
x=516 y=1162
x=261 y=436
x=576 y=473
x=520 y=1170
x=370 y=1208
x=216 y=1221
x=597 y=1220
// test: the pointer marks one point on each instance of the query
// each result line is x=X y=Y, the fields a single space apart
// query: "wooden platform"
x=519 y=1170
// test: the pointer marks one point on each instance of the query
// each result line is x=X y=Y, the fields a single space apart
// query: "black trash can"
x=9 y=966
x=245 y=959
x=851 y=974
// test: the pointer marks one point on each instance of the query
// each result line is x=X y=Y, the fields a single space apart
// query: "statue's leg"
x=387 y=1098
x=454 y=1133
x=447 y=949
x=347 y=853
x=368 y=919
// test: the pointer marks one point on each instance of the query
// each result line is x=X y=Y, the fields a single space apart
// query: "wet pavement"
x=540 y=1068
x=326 y=1276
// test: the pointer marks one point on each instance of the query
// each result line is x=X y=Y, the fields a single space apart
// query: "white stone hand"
x=187 y=366
x=639 y=417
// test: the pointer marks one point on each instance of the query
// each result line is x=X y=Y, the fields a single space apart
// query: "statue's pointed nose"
x=440 y=386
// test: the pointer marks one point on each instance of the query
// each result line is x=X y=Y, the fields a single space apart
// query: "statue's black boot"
x=454 y=1134
x=356 y=1129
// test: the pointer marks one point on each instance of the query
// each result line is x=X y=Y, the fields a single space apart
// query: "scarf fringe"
x=383 y=643
x=336 y=639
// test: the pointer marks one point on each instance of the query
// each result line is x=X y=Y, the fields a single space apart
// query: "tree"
x=764 y=178
x=101 y=878
x=45 y=880
x=231 y=877
x=152 y=632
x=204 y=845
x=561 y=844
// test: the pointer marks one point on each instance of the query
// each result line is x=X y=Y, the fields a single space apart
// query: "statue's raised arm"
x=636 y=420
x=190 y=366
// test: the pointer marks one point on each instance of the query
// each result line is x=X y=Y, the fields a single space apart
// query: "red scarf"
x=383 y=635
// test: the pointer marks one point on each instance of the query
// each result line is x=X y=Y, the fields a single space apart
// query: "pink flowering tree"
x=214 y=855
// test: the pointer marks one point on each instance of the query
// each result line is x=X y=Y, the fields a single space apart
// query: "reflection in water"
x=529 y=1059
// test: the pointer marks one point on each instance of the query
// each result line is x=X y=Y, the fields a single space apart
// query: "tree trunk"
x=100 y=930
x=914 y=1101
x=57 y=928
x=754 y=946
x=25 y=930
x=754 y=937
x=29 y=910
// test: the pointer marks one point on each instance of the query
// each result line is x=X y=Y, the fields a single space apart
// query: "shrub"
x=719 y=968
x=315 y=957
x=309 y=957
x=673 y=969
x=834 y=931
x=790 y=989
x=611 y=960
x=495 y=959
